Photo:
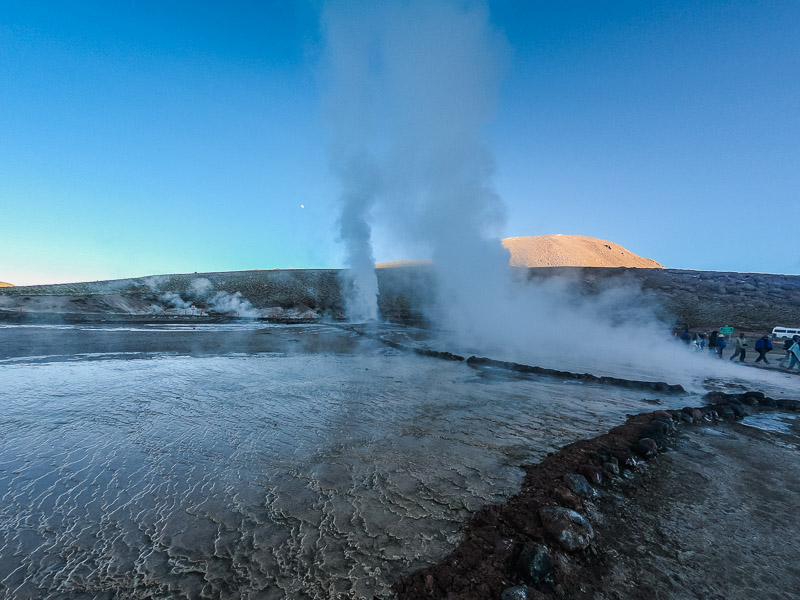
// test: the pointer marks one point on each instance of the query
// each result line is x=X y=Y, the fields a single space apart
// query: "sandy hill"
x=559 y=251
x=572 y=251
x=4 y=284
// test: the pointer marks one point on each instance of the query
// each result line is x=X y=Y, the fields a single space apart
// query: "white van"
x=785 y=332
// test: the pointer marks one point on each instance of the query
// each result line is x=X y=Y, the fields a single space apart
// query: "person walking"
x=712 y=341
x=787 y=343
x=794 y=352
x=700 y=341
x=763 y=345
x=739 y=345
x=721 y=344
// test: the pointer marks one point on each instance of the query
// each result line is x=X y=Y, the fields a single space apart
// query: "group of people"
x=716 y=342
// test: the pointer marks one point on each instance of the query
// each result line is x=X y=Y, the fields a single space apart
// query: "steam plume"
x=411 y=89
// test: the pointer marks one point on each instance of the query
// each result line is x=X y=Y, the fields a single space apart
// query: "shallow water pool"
x=322 y=466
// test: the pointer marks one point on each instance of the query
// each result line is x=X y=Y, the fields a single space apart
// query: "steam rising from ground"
x=412 y=87
x=200 y=290
x=200 y=287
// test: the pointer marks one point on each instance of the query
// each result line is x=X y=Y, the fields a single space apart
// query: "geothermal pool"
x=318 y=464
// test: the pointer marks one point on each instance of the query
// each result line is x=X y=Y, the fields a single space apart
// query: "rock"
x=578 y=484
x=625 y=459
x=572 y=531
x=645 y=447
x=612 y=468
x=593 y=474
x=663 y=427
x=686 y=418
x=723 y=398
x=759 y=396
x=657 y=430
x=659 y=438
x=726 y=412
x=696 y=414
x=663 y=415
x=784 y=404
x=535 y=564
x=563 y=496
x=518 y=592
x=739 y=411
x=770 y=402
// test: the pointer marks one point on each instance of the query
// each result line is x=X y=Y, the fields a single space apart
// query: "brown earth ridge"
x=699 y=299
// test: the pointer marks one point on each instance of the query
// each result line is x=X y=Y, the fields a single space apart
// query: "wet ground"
x=714 y=520
x=251 y=461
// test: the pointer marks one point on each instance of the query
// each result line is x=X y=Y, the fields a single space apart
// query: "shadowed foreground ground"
x=715 y=517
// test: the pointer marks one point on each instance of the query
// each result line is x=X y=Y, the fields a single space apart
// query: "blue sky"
x=147 y=137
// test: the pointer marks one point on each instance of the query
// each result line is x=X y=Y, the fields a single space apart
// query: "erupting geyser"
x=411 y=88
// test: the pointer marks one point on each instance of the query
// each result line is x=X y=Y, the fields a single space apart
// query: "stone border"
x=479 y=361
x=658 y=386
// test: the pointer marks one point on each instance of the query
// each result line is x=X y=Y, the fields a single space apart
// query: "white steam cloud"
x=224 y=302
x=173 y=300
x=412 y=87
x=200 y=289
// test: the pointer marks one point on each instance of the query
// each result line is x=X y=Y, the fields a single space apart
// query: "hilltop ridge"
x=560 y=250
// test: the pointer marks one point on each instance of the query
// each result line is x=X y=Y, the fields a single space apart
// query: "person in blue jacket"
x=721 y=344
x=763 y=345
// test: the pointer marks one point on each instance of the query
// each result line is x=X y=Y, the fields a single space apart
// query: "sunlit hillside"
x=559 y=251
x=572 y=251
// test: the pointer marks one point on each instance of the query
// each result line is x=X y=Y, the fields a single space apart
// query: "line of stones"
x=479 y=361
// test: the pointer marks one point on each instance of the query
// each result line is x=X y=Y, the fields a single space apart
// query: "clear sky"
x=139 y=138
